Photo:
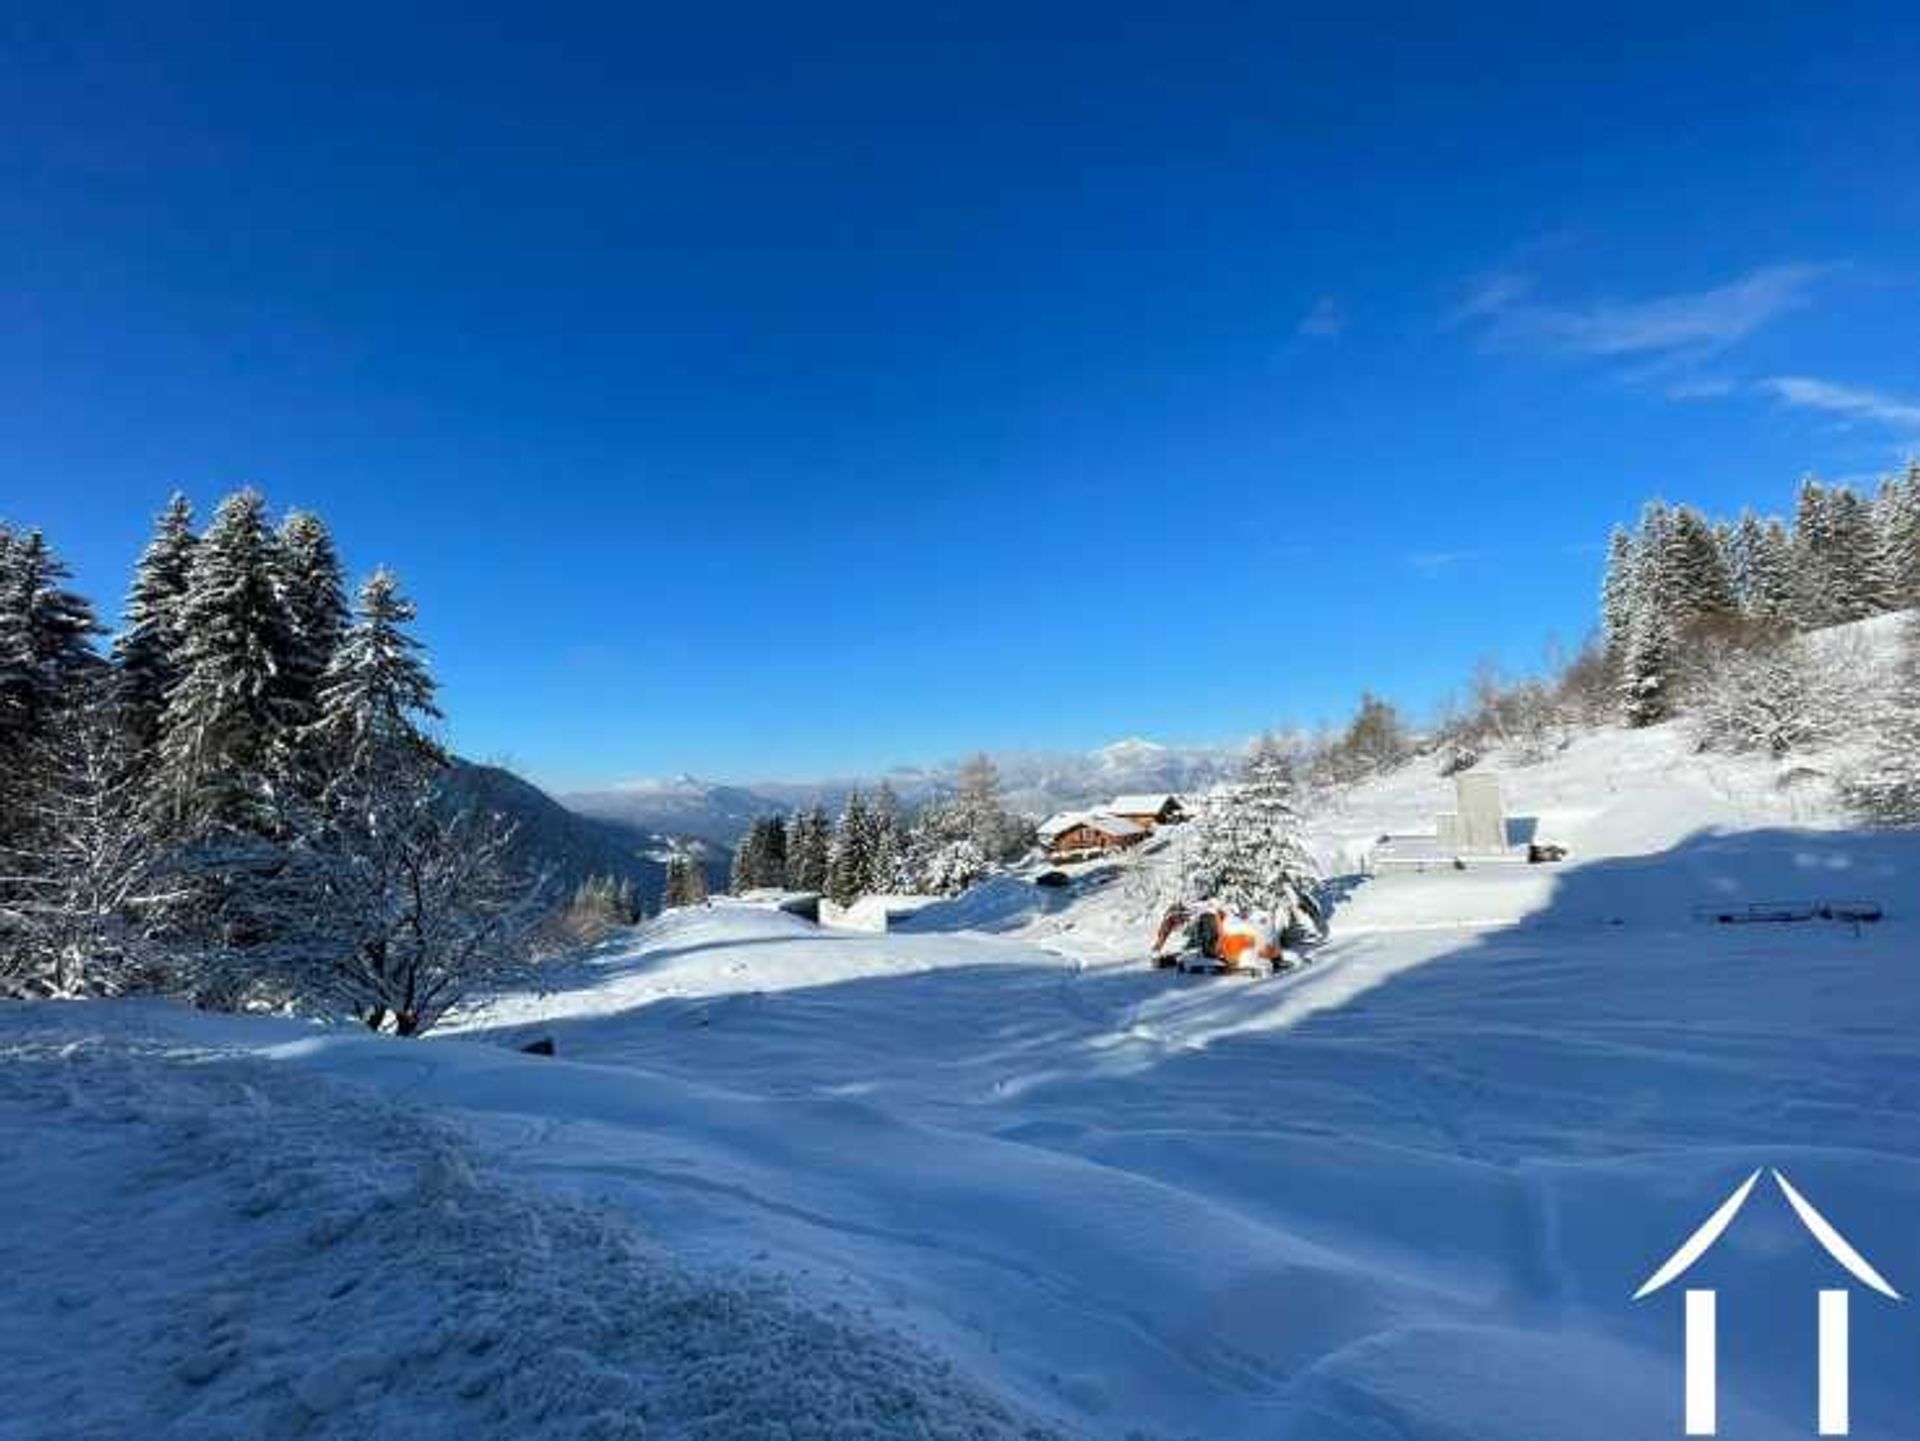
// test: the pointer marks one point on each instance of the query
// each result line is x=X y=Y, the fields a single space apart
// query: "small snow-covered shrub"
x=1777 y=697
x=1885 y=786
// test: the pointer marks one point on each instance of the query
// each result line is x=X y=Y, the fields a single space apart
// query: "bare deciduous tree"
x=409 y=908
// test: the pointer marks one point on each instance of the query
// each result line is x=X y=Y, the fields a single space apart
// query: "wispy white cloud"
x=1325 y=319
x=1808 y=393
x=1683 y=325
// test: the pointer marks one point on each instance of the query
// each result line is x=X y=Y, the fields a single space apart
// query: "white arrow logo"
x=1702 y=1353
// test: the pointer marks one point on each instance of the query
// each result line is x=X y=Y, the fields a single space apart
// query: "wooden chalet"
x=1082 y=834
x=1149 y=811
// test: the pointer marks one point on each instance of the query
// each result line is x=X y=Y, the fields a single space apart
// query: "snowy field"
x=990 y=1175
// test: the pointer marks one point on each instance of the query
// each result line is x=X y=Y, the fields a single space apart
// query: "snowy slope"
x=201 y=1244
x=1404 y=1195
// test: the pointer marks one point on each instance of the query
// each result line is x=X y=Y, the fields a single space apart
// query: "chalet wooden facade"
x=1149 y=811
x=1117 y=827
x=1088 y=835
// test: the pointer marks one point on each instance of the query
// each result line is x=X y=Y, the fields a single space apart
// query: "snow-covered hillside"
x=1405 y=1193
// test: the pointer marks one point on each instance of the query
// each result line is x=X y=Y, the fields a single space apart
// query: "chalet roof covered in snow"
x=1060 y=821
x=1143 y=805
x=1108 y=825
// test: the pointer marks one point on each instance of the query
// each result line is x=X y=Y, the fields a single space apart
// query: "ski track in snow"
x=1403 y=1194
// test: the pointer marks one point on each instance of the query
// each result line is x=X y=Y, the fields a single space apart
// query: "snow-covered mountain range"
x=1034 y=782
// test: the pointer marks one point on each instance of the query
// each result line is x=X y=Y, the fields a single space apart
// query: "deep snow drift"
x=1406 y=1193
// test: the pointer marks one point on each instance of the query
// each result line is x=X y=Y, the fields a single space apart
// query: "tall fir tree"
x=46 y=633
x=1771 y=594
x=772 y=871
x=1855 y=584
x=885 y=844
x=809 y=850
x=376 y=697
x=227 y=719
x=850 y=864
x=46 y=660
x=1647 y=673
x=1695 y=584
x=13 y=644
x=1652 y=585
x=752 y=859
x=1617 y=592
x=1899 y=526
x=148 y=650
x=1814 y=603
x=1739 y=543
x=313 y=590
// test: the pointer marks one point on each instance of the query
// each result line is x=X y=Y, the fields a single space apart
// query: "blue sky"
x=770 y=392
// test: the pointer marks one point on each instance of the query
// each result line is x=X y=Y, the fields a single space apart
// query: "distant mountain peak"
x=1034 y=782
x=1131 y=749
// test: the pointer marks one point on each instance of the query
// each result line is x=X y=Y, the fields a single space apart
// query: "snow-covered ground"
x=203 y=1241
x=1407 y=1192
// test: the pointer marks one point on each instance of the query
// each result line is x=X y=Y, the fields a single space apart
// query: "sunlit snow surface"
x=1405 y=1193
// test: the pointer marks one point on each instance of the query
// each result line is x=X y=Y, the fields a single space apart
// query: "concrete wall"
x=1482 y=816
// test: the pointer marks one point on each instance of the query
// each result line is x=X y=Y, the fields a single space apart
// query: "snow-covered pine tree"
x=686 y=879
x=1647 y=671
x=1695 y=583
x=1899 y=527
x=147 y=650
x=225 y=724
x=17 y=671
x=1250 y=852
x=46 y=658
x=1617 y=592
x=54 y=713
x=885 y=847
x=809 y=850
x=1886 y=505
x=1652 y=585
x=15 y=665
x=1885 y=787
x=850 y=865
x=1771 y=593
x=743 y=875
x=46 y=635
x=313 y=590
x=1814 y=603
x=772 y=871
x=376 y=696
x=941 y=856
x=1739 y=543
x=1856 y=585
x=752 y=859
